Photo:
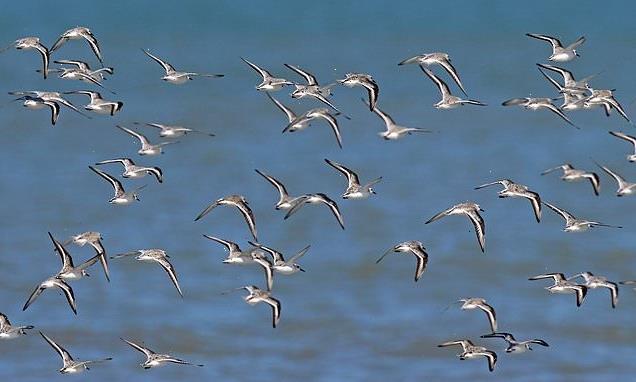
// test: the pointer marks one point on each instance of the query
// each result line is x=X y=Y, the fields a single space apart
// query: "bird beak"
x=300 y=269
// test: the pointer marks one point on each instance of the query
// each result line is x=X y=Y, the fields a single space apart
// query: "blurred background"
x=346 y=317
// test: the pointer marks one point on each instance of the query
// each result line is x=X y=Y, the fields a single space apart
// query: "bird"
x=55 y=97
x=570 y=174
x=559 y=53
x=515 y=346
x=470 y=351
x=121 y=197
x=53 y=282
x=573 y=224
x=625 y=188
x=79 y=33
x=131 y=170
x=536 y=104
x=174 y=76
x=147 y=148
x=291 y=116
x=354 y=189
x=593 y=282
x=606 y=99
x=159 y=256
x=94 y=239
x=237 y=201
x=563 y=286
x=26 y=43
x=629 y=138
x=8 y=331
x=70 y=366
x=414 y=247
x=573 y=98
x=448 y=100
x=235 y=255
x=69 y=271
x=279 y=264
x=85 y=67
x=81 y=75
x=394 y=131
x=312 y=89
x=471 y=210
x=257 y=295
x=268 y=268
x=269 y=82
x=173 y=131
x=317 y=113
x=36 y=103
x=285 y=201
x=437 y=58
x=516 y=190
x=569 y=83
x=480 y=303
x=317 y=198
x=98 y=104
x=366 y=81
x=154 y=360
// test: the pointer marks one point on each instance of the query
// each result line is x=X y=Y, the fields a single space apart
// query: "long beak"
x=451 y=304
x=384 y=255
x=300 y=269
x=230 y=291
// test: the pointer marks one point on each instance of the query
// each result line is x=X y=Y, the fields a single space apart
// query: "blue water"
x=346 y=318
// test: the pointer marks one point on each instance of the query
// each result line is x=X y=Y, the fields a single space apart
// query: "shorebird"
x=516 y=190
x=85 y=67
x=121 y=196
x=55 y=97
x=593 y=282
x=53 y=282
x=70 y=366
x=318 y=198
x=146 y=147
x=559 y=53
x=131 y=170
x=414 y=247
x=367 y=82
x=436 y=58
x=628 y=138
x=570 y=174
x=36 y=103
x=471 y=210
x=268 y=267
x=354 y=189
x=291 y=116
x=69 y=271
x=79 y=33
x=536 y=104
x=606 y=99
x=239 y=202
x=280 y=265
x=312 y=89
x=470 y=351
x=285 y=201
x=80 y=75
x=563 y=286
x=154 y=360
x=480 y=303
x=176 y=77
x=625 y=188
x=573 y=224
x=8 y=331
x=573 y=98
x=235 y=255
x=394 y=131
x=448 y=100
x=515 y=346
x=317 y=113
x=32 y=43
x=157 y=255
x=94 y=239
x=569 y=83
x=257 y=295
x=269 y=82
x=173 y=131
x=98 y=104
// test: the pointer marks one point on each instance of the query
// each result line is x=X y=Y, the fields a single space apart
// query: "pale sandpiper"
x=174 y=76
x=414 y=247
x=629 y=138
x=559 y=53
x=312 y=89
x=515 y=346
x=279 y=264
x=79 y=33
x=154 y=359
x=317 y=113
x=285 y=201
x=354 y=189
x=239 y=202
x=536 y=104
x=436 y=58
x=121 y=197
x=173 y=131
x=291 y=116
x=257 y=295
x=593 y=282
x=563 y=286
x=155 y=255
x=448 y=100
x=147 y=148
x=26 y=43
x=69 y=271
x=8 y=331
x=394 y=131
x=471 y=210
x=573 y=224
x=131 y=170
x=234 y=253
x=470 y=351
x=269 y=82
x=53 y=282
x=516 y=190
x=367 y=82
x=70 y=366
x=94 y=239
x=98 y=104
x=570 y=174
x=625 y=188
x=318 y=198
x=480 y=303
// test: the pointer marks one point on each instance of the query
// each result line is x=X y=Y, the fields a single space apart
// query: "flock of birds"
x=576 y=95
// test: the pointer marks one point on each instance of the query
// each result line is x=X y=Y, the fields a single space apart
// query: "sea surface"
x=346 y=318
